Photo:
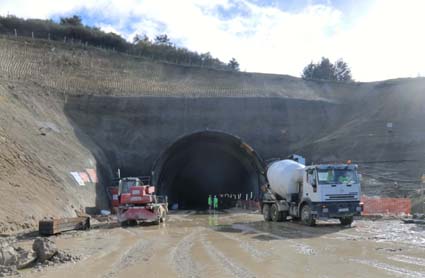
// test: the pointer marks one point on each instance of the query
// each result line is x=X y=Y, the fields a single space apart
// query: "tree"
x=140 y=38
x=342 y=71
x=162 y=39
x=233 y=64
x=74 y=20
x=325 y=70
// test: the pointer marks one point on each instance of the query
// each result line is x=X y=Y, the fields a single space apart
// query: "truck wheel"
x=276 y=215
x=163 y=217
x=345 y=221
x=132 y=222
x=285 y=215
x=306 y=216
x=266 y=212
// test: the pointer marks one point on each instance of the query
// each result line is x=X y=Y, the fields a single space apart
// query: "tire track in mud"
x=142 y=250
x=256 y=254
x=181 y=257
x=395 y=270
x=228 y=265
x=409 y=260
x=301 y=248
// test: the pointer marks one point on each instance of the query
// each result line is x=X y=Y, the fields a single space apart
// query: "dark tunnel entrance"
x=207 y=162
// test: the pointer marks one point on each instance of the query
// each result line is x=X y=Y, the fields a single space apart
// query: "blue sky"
x=380 y=39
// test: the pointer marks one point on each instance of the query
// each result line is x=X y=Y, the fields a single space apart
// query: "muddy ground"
x=241 y=244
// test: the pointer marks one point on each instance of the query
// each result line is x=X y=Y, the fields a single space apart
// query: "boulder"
x=25 y=258
x=8 y=255
x=44 y=249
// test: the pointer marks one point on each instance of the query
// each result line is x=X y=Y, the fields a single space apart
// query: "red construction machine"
x=135 y=200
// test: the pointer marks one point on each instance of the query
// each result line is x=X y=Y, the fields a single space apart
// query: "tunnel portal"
x=207 y=162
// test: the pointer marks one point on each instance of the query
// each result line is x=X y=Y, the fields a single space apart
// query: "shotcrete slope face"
x=190 y=153
x=206 y=163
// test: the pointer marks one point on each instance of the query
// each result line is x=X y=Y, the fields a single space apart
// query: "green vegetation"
x=325 y=70
x=233 y=64
x=72 y=29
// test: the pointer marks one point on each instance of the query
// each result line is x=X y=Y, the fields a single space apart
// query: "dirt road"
x=240 y=244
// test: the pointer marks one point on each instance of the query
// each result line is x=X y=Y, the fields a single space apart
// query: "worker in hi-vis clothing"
x=215 y=202
x=209 y=202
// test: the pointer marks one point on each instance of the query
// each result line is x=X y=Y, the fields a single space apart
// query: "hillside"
x=67 y=108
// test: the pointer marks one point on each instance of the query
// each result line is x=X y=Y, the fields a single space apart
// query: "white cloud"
x=387 y=42
x=384 y=41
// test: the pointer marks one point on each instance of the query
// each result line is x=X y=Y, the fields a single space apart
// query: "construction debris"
x=417 y=218
x=8 y=255
x=55 y=226
x=44 y=253
x=420 y=216
x=8 y=271
x=413 y=221
x=44 y=248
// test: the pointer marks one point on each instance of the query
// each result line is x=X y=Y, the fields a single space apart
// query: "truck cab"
x=330 y=191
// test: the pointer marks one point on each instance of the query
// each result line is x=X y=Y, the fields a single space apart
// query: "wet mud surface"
x=241 y=244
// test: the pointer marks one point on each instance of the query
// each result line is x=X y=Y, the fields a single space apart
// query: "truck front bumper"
x=336 y=209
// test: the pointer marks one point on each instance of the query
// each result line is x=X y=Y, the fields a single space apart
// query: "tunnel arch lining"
x=215 y=136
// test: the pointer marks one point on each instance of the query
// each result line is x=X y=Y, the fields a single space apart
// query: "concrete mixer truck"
x=311 y=192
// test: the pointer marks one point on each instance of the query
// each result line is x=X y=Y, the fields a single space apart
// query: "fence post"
x=32 y=35
x=16 y=33
x=423 y=193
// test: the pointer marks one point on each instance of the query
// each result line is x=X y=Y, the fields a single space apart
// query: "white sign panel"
x=77 y=178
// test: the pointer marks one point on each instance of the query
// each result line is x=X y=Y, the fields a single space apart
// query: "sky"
x=379 y=39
